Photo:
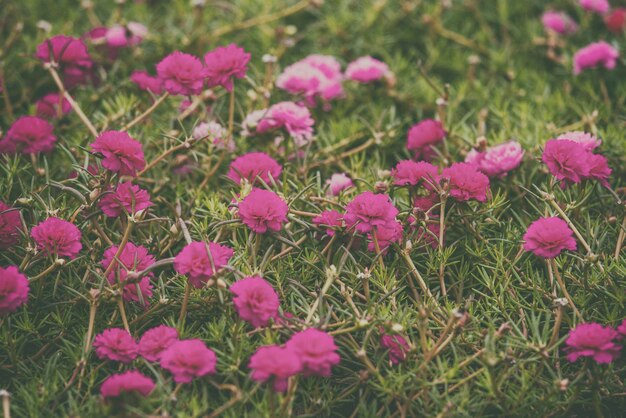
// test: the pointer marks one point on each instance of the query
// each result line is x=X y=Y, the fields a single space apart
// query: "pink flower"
x=616 y=20
x=599 y=169
x=366 y=69
x=275 y=363
x=200 y=261
x=597 y=6
x=426 y=203
x=338 y=182
x=115 y=344
x=57 y=237
x=331 y=219
x=294 y=118
x=567 y=160
x=122 y=154
x=182 y=74
x=155 y=341
x=385 y=235
x=425 y=134
x=547 y=237
x=558 y=22
x=225 y=63
x=368 y=211
x=51 y=106
x=69 y=52
x=397 y=346
x=466 y=183
x=130 y=381
x=592 y=340
x=410 y=173
x=252 y=165
x=145 y=81
x=134 y=258
x=316 y=76
x=122 y=36
x=263 y=210
x=251 y=121
x=317 y=351
x=587 y=140
x=28 y=135
x=622 y=328
x=188 y=359
x=9 y=226
x=13 y=289
x=255 y=300
x=497 y=161
x=127 y=198
x=595 y=54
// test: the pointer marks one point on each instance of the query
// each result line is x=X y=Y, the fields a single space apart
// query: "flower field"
x=313 y=208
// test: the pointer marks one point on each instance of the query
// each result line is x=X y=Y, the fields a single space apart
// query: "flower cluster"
x=571 y=160
x=310 y=352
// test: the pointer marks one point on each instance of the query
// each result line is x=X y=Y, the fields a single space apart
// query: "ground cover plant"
x=312 y=208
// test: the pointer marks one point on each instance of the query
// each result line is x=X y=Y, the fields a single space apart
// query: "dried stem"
x=146 y=113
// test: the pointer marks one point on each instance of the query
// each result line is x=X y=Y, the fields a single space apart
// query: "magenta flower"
x=225 y=63
x=69 y=52
x=597 y=6
x=130 y=381
x=134 y=258
x=587 y=140
x=294 y=118
x=594 y=55
x=592 y=340
x=57 y=237
x=317 y=351
x=10 y=225
x=599 y=169
x=366 y=70
x=466 y=183
x=397 y=347
x=127 y=198
x=386 y=235
x=410 y=173
x=262 y=210
x=200 y=261
x=115 y=344
x=155 y=341
x=368 y=211
x=424 y=135
x=252 y=165
x=188 y=359
x=255 y=300
x=182 y=74
x=14 y=289
x=558 y=22
x=497 y=161
x=276 y=364
x=145 y=81
x=52 y=105
x=548 y=237
x=122 y=154
x=622 y=328
x=28 y=135
x=330 y=219
x=567 y=160
x=124 y=36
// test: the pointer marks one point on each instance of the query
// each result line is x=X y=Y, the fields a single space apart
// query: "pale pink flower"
x=338 y=182
x=587 y=140
x=497 y=161
x=294 y=118
x=366 y=70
